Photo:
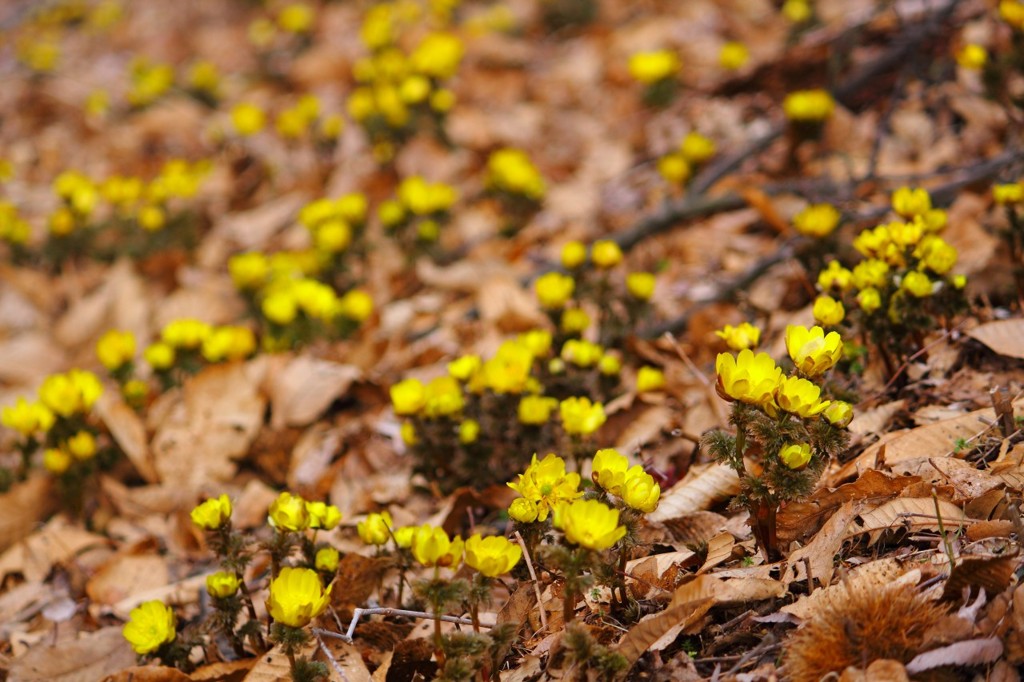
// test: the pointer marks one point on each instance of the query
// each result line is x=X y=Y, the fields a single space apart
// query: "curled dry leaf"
x=25 y=504
x=990 y=573
x=697 y=492
x=92 y=656
x=645 y=634
x=129 y=432
x=909 y=513
x=1005 y=337
x=214 y=422
x=971 y=652
x=301 y=390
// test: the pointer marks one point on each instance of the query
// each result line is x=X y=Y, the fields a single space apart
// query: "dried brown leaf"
x=697 y=492
x=301 y=390
x=719 y=550
x=799 y=520
x=125 y=575
x=129 y=432
x=1005 y=337
x=91 y=657
x=25 y=504
x=971 y=652
x=648 y=631
x=991 y=573
x=817 y=555
x=908 y=513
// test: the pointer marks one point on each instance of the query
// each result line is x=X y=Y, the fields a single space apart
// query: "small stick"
x=533 y=577
x=942 y=531
x=330 y=656
x=387 y=611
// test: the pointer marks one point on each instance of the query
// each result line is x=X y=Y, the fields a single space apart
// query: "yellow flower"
x=808 y=105
x=523 y=510
x=733 y=55
x=159 y=355
x=574 y=254
x=356 y=305
x=464 y=367
x=492 y=556
x=438 y=55
x=937 y=255
x=871 y=273
x=580 y=416
x=554 y=289
x=795 y=455
x=972 y=56
x=1012 y=12
x=151 y=218
x=1008 y=194
x=185 y=333
x=958 y=281
x=115 y=349
x=289 y=512
x=640 y=491
x=741 y=337
x=297 y=596
x=71 y=393
x=839 y=413
x=56 y=460
x=150 y=625
x=649 y=379
x=581 y=353
x=800 y=397
x=404 y=536
x=442 y=398
x=796 y=11
x=222 y=584
x=909 y=202
x=536 y=341
x=82 y=445
x=408 y=397
x=917 y=284
x=546 y=484
x=535 y=410
x=510 y=170
x=574 y=321
x=508 y=371
x=606 y=254
x=674 y=168
x=590 y=524
x=608 y=469
x=697 y=148
x=248 y=119
x=296 y=18
x=374 y=530
x=748 y=378
x=811 y=350
x=432 y=547
x=327 y=559
x=469 y=431
x=609 y=365
x=27 y=418
x=817 y=220
x=323 y=515
x=213 y=513
x=835 y=277
x=651 y=67
x=640 y=285
x=869 y=300
x=828 y=311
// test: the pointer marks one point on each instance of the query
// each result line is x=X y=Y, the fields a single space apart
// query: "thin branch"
x=359 y=613
x=330 y=657
x=533 y=577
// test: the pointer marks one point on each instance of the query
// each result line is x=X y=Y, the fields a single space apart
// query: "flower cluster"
x=397 y=90
x=678 y=165
x=784 y=424
x=60 y=424
x=517 y=184
x=284 y=293
x=418 y=212
x=904 y=282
